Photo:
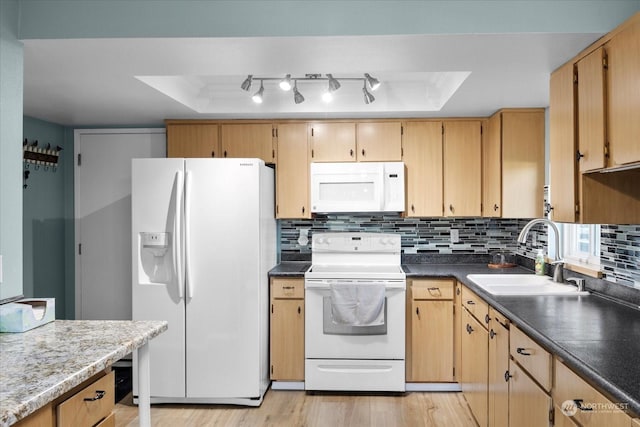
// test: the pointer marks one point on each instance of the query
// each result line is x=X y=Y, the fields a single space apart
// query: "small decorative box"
x=22 y=315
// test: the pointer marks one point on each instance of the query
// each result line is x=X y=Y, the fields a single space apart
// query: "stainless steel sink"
x=522 y=284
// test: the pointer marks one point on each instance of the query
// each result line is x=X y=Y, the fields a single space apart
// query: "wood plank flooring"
x=297 y=408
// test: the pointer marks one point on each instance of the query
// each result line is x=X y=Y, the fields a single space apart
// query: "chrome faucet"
x=558 y=262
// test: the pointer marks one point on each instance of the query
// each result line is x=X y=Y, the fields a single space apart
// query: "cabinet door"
x=475 y=363
x=292 y=172
x=379 y=142
x=422 y=156
x=591 y=111
x=562 y=175
x=192 y=140
x=623 y=91
x=498 y=368
x=432 y=341
x=43 y=417
x=529 y=405
x=287 y=339
x=457 y=331
x=333 y=142
x=462 y=168
x=248 y=141
x=522 y=163
x=492 y=168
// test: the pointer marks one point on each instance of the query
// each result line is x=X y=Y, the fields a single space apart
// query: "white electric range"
x=364 y=348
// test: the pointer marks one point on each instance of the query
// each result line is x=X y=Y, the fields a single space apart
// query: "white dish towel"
x=358 y=304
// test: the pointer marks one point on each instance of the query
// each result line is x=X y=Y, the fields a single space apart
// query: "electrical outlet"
x=454 y=235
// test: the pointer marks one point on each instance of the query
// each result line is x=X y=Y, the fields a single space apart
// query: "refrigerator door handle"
x=187 y=233
x=177 y=234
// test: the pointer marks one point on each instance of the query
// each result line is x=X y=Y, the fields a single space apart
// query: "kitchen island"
x=42 y=364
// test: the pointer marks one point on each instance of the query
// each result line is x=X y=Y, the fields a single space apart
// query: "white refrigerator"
x=203 y=241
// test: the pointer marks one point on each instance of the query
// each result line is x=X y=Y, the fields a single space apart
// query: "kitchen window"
x=581 y=244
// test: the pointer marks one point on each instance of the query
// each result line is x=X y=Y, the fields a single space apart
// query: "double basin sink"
x=522 y=285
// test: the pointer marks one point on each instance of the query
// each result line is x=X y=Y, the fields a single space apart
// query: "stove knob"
x=320 y=240
x=384 y=241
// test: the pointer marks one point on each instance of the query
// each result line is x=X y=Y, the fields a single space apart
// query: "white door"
x=103 y=217
x=223 y=311
x=158 y=279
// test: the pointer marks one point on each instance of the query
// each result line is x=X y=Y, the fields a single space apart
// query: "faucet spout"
x=558 y=262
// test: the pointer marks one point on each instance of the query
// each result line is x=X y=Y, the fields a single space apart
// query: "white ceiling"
x=89 y=82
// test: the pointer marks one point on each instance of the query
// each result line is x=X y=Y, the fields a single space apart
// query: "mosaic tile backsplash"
x=620 y=245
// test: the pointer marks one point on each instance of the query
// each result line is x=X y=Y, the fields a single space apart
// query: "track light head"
x=333 y=83
x=285 y=84
x=257 y=97
x=297 y=96
x=368 y=97
x=246 y=84
x=373 y=82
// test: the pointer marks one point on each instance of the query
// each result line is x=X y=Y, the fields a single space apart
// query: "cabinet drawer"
x=476 y=306
x=533 y=358
x=432 y=289
x=287 y=288
x=110 y=421
x=89 y=405
x=499 y=317
x=597 y=410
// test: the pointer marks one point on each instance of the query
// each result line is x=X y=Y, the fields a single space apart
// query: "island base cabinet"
x=529 y=405
x=90 y=405
x=43 y=417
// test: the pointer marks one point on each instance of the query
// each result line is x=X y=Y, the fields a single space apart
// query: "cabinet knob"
x=523 y=351
x=303 y=209
x=363 y=152
x=299 y=310
x=451 y=208
x=507 y=375
x=471 y=302
x=492 y=334
x=578 y=403
x=486 y=318
x=225 y=153
x=413 y=208
x=496 y=207
x=457 y=291
x=469 y=329
x=213 y=154
x=351 y=152
x=579 y=155
x=417 y=311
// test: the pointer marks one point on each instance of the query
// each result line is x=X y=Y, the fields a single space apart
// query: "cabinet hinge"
x=551 y=417
x=481 y=129
x=311 y=131
x=312 y=153
x=276 y=132
x=454 y=372
x=271 y=308
x=277 y=209
x=401 y=130
x=273 y=154
x=577 y=208
x=442 y=129
x=605 y=62
x=606 y=150
x=79 y=248
x=79 y=159
x=273 y=133
x=575 y=77
x=271 y=369
x=401 y=151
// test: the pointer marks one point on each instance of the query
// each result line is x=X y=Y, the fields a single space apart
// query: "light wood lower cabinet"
x=43 y=417
x=498 y=369
x=429 y=331
x=529 y=405
x=475 y=364
x=584 y=405
x=90 y=405
x=287 y=329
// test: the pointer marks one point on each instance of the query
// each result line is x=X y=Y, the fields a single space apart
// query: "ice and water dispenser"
x=155 y=257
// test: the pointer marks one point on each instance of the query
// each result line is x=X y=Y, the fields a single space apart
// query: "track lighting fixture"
x=246 y=84
x=368 y=97
x=285 y=84
x=333 y=84
x=257 y=97
x=297 y=96
x=373 y=82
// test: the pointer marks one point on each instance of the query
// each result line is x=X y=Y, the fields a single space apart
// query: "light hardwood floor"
x=297 y=408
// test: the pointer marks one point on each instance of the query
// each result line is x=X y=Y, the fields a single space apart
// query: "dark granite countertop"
x=597 y=337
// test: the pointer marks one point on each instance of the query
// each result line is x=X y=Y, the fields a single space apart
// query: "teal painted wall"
x=249 y=18
x=45 y=220
x=11 y=66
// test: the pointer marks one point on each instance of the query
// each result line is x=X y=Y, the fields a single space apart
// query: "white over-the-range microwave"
x=357 y=187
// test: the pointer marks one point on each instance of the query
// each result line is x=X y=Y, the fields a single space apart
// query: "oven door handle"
x=327 y=287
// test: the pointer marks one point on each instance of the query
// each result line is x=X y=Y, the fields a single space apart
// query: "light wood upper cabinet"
x=430 y=337
x=292 y=172
x=287 y=329
x=252 y=140
x=379 y=141
x=513 y=164
x=333 y=142
x=192 y=140
x=562 y=134
x=591 y=111
x=422 y=156
x=462 y=168
x=623 y=94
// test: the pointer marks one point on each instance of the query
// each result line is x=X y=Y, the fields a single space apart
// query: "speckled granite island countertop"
x=42 y=364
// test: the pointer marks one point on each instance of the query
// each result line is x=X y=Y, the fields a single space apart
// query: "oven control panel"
x=356 y=242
